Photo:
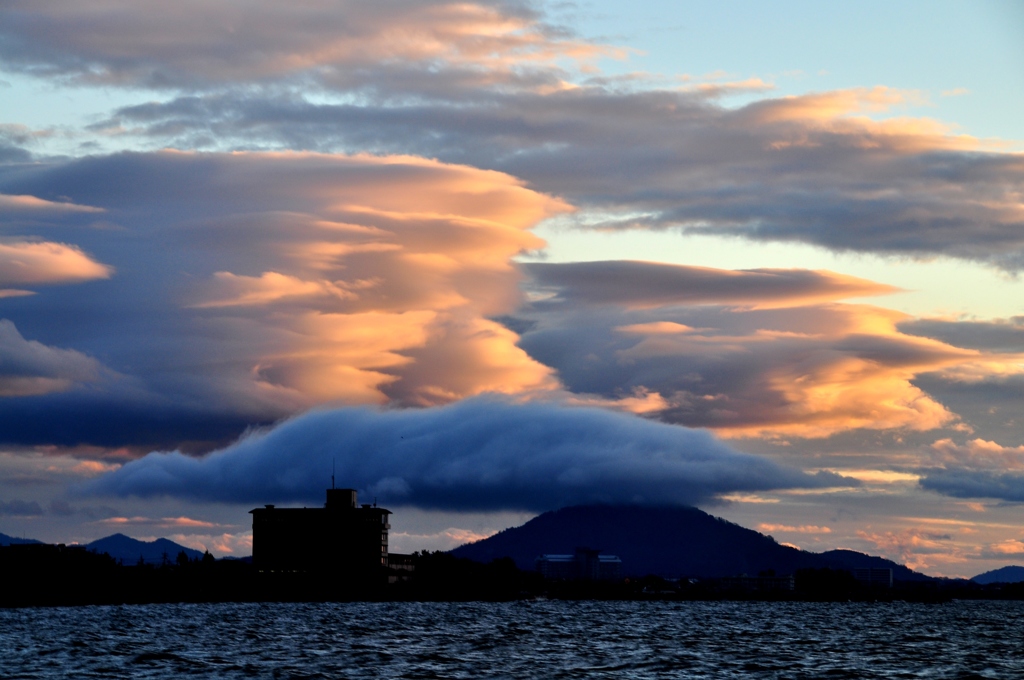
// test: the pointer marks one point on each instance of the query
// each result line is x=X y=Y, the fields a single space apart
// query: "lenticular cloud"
x=478 y=454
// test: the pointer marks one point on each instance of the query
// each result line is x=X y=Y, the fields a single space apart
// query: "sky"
x=487 y=259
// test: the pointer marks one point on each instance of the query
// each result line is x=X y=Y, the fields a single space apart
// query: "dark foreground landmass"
x=45 y=575
x=666 y=553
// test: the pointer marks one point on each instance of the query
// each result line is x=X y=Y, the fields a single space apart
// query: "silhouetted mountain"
x=11 y=540
x=667 y=541
x=851 y=559
x=1011 y=574
x=129 y=550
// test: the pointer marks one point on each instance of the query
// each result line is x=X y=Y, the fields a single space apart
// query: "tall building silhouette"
x=342 y=537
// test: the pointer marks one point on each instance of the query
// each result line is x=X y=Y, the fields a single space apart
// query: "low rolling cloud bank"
x=478 y=454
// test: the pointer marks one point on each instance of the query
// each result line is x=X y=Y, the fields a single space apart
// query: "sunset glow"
x=251 y=226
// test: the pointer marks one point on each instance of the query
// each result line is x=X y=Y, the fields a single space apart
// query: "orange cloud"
x=337 y=44
x=219 y=545
x=91 y=468
x=915 y=547
x=881 y=476
x=978 y=454
x=655 y=328
x=466 y=356
x=1008 y=547
x=446 y=539
x=835 y=368
x=753 y=353
x=27 y=262
x=803 y=529
x=378 y=290
x=641 y=401
x=18 y=203
x=799 y=121
x=162 y=523
x=230 y=290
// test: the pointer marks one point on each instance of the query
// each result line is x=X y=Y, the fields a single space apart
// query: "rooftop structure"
x=342 y=537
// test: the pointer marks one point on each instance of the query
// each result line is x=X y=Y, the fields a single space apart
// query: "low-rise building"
x=584 y=565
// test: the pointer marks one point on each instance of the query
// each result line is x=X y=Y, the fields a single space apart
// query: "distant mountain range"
x=124 y=548
x=667 y=541
x=11 y=540
x=1011 y=574
x=130 y=550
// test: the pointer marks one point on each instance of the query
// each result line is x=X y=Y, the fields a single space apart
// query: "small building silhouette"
x=584 y=565
x=342 y=537
x=873 y=577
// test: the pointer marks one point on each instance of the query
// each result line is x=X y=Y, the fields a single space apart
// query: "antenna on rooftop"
x=333 y=464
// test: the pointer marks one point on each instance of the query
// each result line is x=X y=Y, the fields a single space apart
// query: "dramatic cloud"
x=812 y=168
x=496 y=86
x=478 y=454
x=754 y=353
x=249 y=286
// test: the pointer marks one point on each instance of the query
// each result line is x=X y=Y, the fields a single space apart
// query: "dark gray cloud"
x=991 y=402
x=649 y=284
x=30 y=368
x=478 y=454
x=965 y=483
x=976 y=468
x=19 y=508
x=13 y=140
x=997 y=335
x=10 y=153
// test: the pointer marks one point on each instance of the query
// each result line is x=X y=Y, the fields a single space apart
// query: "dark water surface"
x=547 y=639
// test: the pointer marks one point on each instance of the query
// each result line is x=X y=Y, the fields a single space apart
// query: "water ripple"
x=544 y=639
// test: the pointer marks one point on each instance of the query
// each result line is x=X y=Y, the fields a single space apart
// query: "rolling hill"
x=1009 y=574
x=130 y=550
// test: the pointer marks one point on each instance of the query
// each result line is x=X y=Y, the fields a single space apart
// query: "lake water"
x=545 y=639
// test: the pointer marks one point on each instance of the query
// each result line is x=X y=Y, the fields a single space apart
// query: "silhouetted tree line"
x=46 y=575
